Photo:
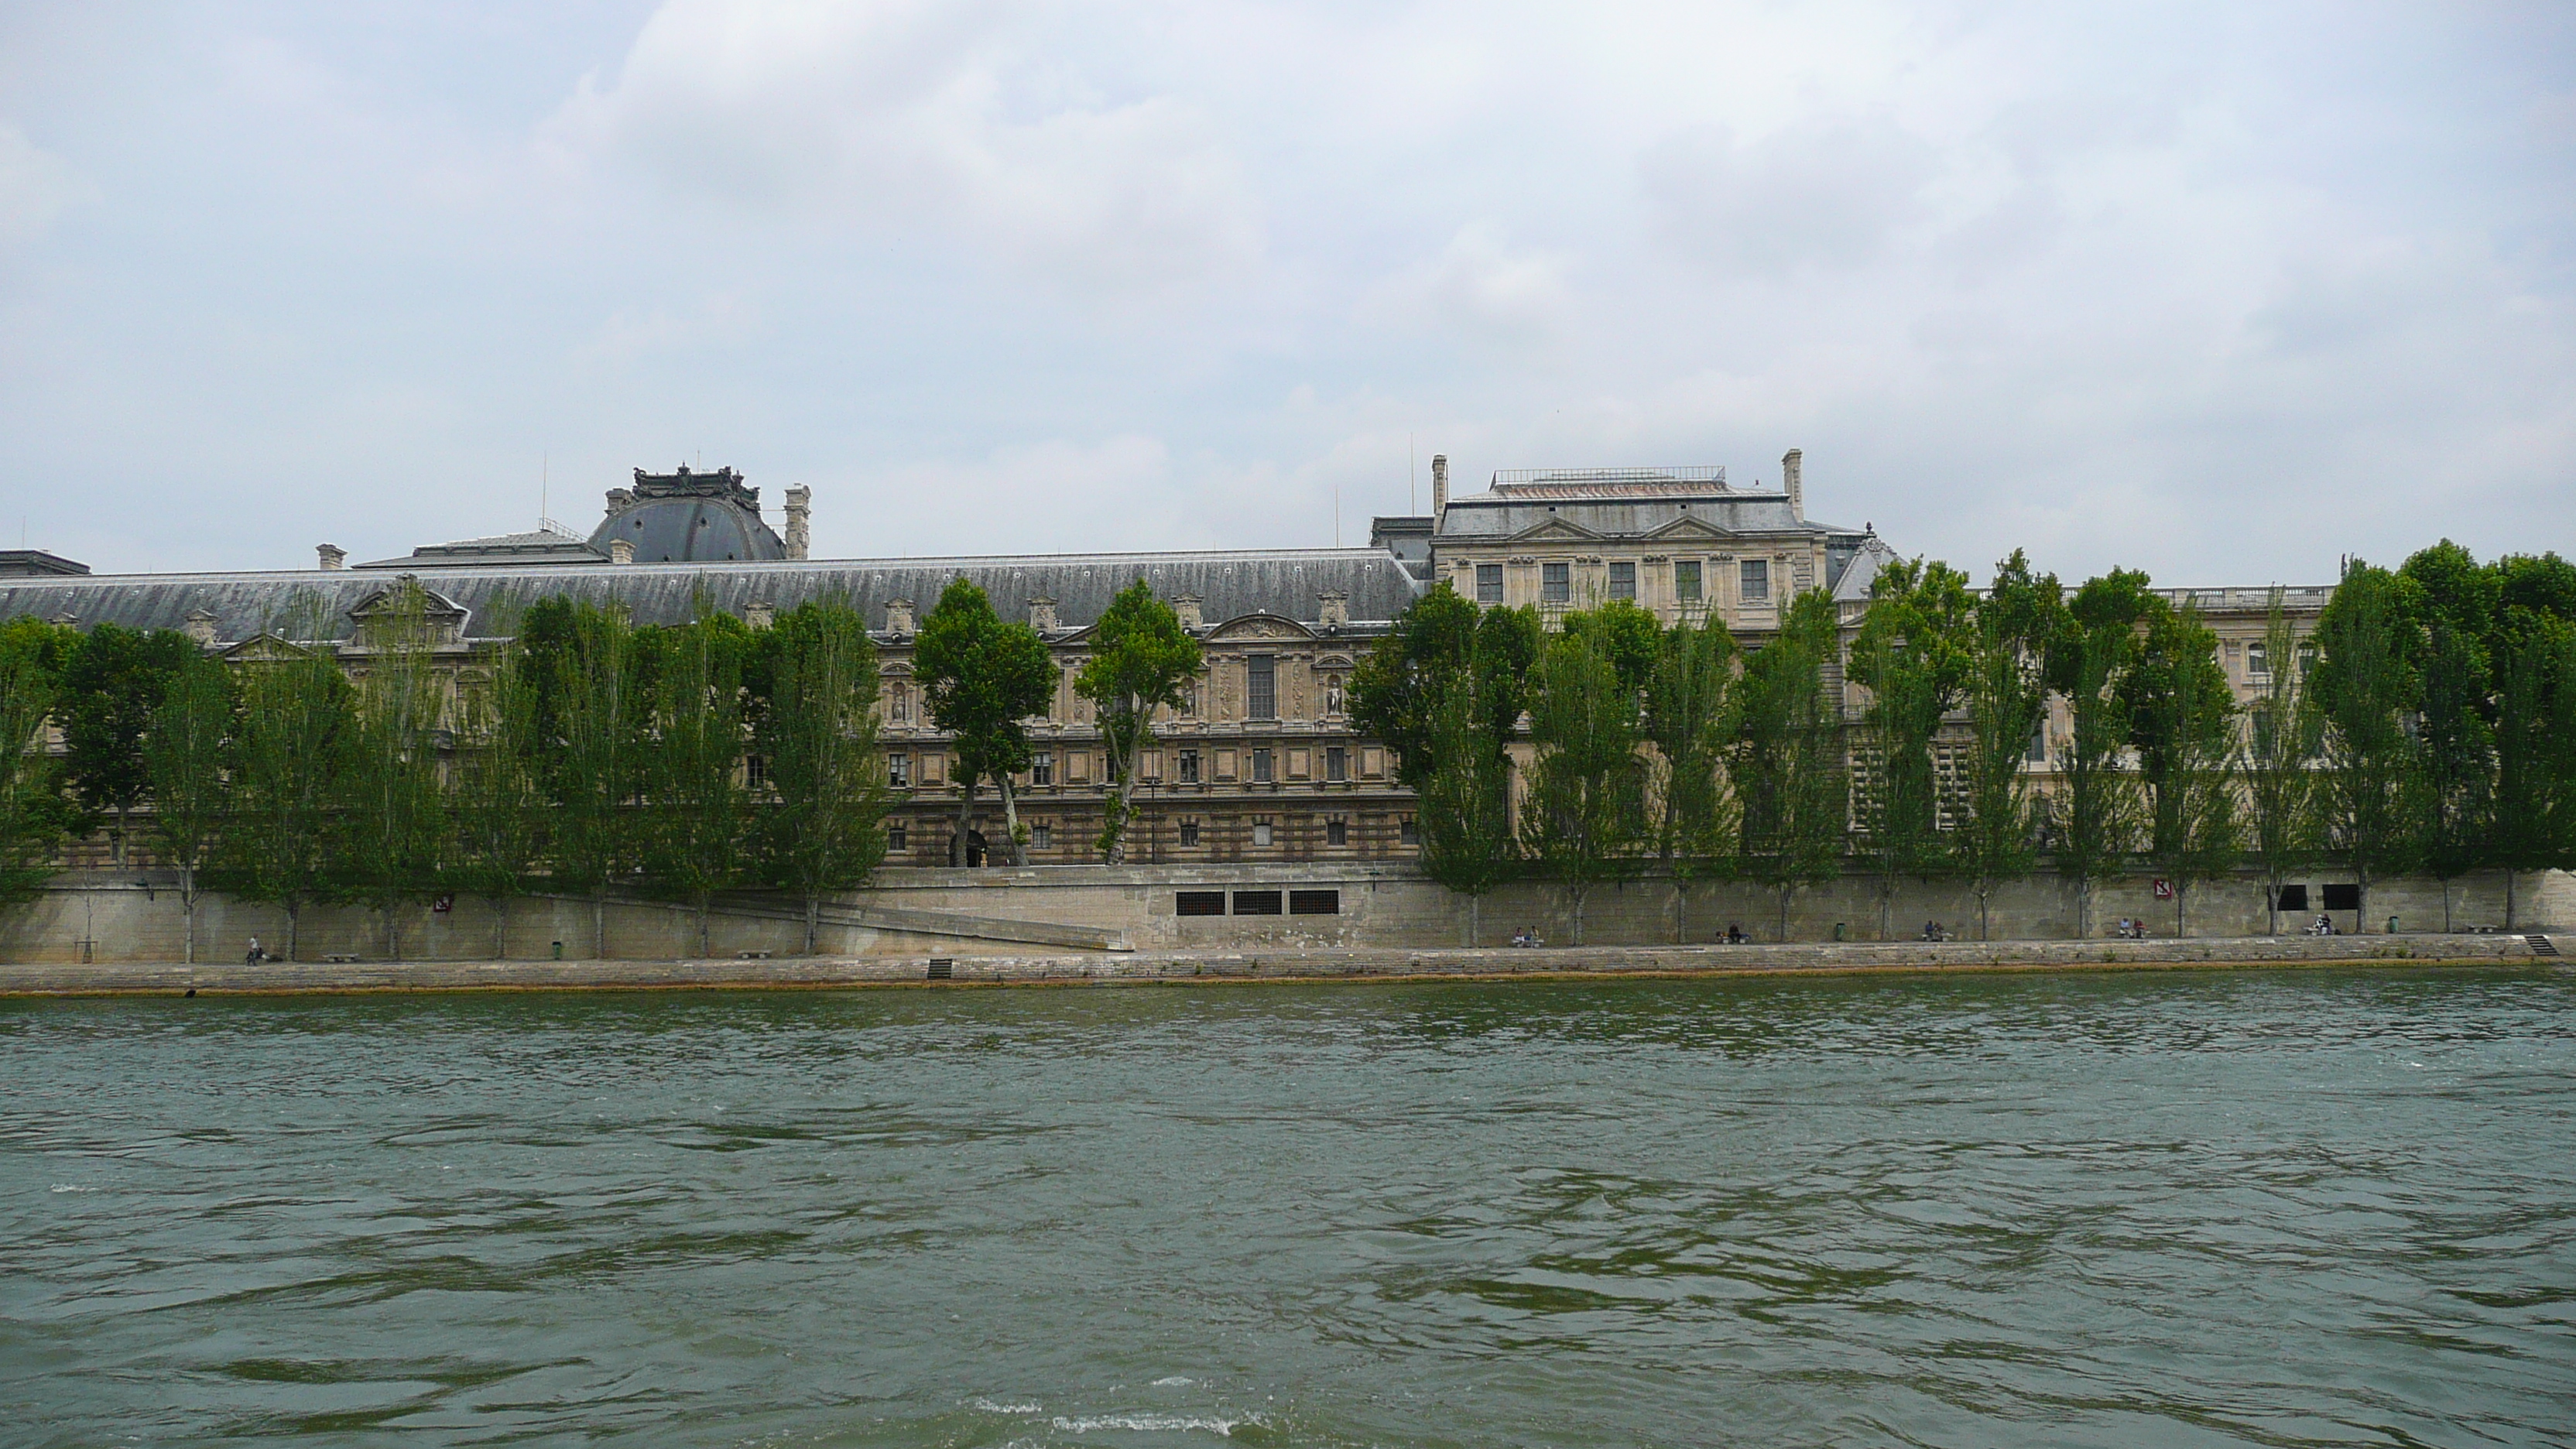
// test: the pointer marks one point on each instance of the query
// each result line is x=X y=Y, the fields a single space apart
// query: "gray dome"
x=687 y=517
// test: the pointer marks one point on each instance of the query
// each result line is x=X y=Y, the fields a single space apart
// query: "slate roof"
x=539 y=546
x=1283 y=582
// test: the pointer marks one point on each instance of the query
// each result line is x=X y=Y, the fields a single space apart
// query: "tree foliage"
x=1582 y=819
x=1141 y=660
x=1787 y=759
x=981 y=678
x=824 y=830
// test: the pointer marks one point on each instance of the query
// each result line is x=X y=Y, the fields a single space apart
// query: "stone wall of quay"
x=106 y=916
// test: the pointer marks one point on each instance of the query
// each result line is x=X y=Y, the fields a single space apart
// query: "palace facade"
x=1261 y=762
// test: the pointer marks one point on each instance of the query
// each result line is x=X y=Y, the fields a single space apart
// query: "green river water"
x=2280 y=1208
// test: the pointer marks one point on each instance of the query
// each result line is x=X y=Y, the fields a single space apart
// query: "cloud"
x=36 y=186
x=905 y=117
x=1481 y=288
x=1822 y=193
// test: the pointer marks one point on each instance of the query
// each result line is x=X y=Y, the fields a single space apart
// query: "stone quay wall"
x=106 y=916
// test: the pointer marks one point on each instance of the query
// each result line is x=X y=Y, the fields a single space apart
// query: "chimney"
x=1789 y=481
x=1439 y=487
x=1042 y=614
x=1187 y=608
x=800 y=516
x=621 y=550
x=334 y=557
x=199 y=625
x=1336 y=611
x=759 y=614
x=899 y=618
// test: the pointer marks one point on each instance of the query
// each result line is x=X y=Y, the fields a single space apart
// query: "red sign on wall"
x=2164 y=889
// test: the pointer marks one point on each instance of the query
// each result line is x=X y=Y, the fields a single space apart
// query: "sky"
x=2221 y=291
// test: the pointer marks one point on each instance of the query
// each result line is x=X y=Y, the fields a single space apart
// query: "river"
x=2156 y=1208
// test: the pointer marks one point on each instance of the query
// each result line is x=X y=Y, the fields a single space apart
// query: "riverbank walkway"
x=1287 y=964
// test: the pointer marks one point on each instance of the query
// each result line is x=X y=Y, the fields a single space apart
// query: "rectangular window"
x=2307 y=659
x=1337 y=762
x=1189 y=767
x=1042 y=768
x=1256 y=903
x=1555 y=583
x=1686 y=580
x=1041 y=837
x=2258 y=664
x=1337 y=831
x=2037 y=754
x=894 y=839
x=1190 y=835
x=1198 y=903
x=1261 y=833
x=1261 y=767
x=1754 y=580
x=2345 y=897
x=1489 y=583
x=1261 y=687
x=1314 y=903
x=755 y=772
x=1623 y=580
x=1407 y=832
x=2294 y=898
x=899 y=770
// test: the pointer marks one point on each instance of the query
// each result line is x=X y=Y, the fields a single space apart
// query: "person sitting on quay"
x=1735 y=933
x=257 y=954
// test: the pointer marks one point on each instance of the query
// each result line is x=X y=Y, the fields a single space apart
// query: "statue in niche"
x=1332 y=696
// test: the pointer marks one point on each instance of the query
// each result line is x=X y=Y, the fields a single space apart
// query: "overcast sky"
x=2222 y=291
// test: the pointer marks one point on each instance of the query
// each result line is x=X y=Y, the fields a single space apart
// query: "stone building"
x=1261 y=763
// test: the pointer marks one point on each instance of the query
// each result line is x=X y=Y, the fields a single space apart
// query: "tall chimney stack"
x=800 y=516
x=1789 y=480
x=334 y=557
x=1439 y=487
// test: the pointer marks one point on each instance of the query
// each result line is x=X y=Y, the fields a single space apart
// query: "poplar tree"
x=1913 y=654
x=111 y=683
x=2366 y=681
x=2098 y=796
x=391 y=827
x=824 y=824
x=1587 y=799
x=2451 y=807
x=591 y=714
x=290 y=757
x=981 y=678
x=1465 y=808
x=183 y=757
x=2182 y=722
x=497 y=807
x=1788 y=757
x=1690 y=719
x=2017 y=623
x=2534 y=647
x=34 y=812
x=696 y=806
x=2280 y=764
x=1141 y=660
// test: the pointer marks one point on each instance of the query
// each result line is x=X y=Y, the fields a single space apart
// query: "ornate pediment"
x=1553 y=529
x=1258 y=626
x=1690 y=530
x=265 y=647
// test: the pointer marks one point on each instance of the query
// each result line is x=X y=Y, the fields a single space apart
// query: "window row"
x=1556 y=581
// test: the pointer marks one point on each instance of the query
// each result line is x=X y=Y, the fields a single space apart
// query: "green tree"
x=2279 y=763
x=591 y=711
x=184 y=750
x=696 y=801
x=824 y=830
x=1141 y=660
x=2533 y=644
x=1913 y=653
x=290 y=756
x=2182 y=722
x=981 y=679
x=35 y=814
x=1788 y=758
x=2367 y=680
x=2017 y=623
x=2098 y=797
x=1622 y=632
x=2451 y=807
x=1398 y=687
x=1465 y=816
x=1690 y=719
x=111 y=683
x=388 y=835
x=497 y=808
x=1586 y=808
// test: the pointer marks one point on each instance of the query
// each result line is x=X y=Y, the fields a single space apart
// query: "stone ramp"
x=958 y=924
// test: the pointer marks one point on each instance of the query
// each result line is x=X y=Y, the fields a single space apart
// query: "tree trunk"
x=294 y=915
x=2361 y=904
x=188 y=910
x=599 y=923
x=1475 y=908
x=393 y=933
x=2084 y=910
x=813 y=920
x=1011 y=822
x=965 y=820
x=2508 y=898
x=1784 y=913
x=702 y=927
x=1982 y=933
x=2446 y=908
x=500 y=928
x=2271 y=908
x=2182 y=891
x=120 y=837
x=1681 y=912
x=1577 y=898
